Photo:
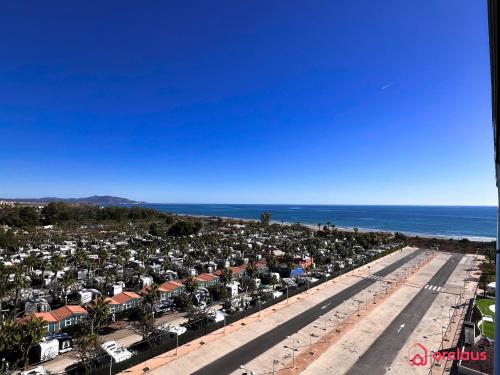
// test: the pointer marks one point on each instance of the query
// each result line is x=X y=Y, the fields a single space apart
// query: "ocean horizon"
x=472 y=222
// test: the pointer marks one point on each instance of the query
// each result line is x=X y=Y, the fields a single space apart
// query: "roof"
x=206 y=277
x=122 y=298
x=46 y=316
x=61 y=313
x=68 y=310
x=169 y=286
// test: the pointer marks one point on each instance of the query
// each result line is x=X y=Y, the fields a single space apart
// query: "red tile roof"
x=46 y=316
x=169 y=286
x=122 y=298
x=61 y=313
x=68 y=310
x=202 y=277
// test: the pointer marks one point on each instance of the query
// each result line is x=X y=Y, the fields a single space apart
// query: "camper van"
x=46 y=350
x=116 y=351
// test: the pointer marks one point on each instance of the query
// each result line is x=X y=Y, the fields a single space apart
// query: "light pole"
x=110 y=365
x=442 y=337
x=326 y=335
x=293 y=349
x=275 y=362
x=287 y=293
x=260 y=305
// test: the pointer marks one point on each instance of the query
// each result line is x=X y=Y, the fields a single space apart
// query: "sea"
x=473 y=222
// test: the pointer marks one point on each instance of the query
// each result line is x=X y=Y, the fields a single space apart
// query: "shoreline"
x=351 y=229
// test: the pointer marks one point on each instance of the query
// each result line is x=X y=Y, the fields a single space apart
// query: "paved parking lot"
x=200 y=353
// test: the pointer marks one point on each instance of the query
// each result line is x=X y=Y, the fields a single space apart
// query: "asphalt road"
x=381 y=354
x=245 y=353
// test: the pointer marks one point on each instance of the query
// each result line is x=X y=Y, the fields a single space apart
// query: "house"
x=123 y=301
x=64 y=316
x=207 y=279
x=168 y=289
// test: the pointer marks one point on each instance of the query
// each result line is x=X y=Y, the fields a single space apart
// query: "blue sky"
x=359 y=102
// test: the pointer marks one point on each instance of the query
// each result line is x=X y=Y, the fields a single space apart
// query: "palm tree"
x=226 y=276
x=56 y=264
x=271 y=261
x=86 y=346
x=153 y=295
x=251 y=269
x=66 y=281
x=167 y=264
x=4 y=277
x=191 y=286
x=32 y=331
x=19 y=283
x=30 y=262
x=99 y=313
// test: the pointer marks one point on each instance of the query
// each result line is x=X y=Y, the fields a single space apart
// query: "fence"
x=147 y=349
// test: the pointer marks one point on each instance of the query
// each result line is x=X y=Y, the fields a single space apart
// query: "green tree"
x=99 y=314
x=28 y=216
x=17 y=285
x=191 y=287
x=32 y=331
x=154 y=230
x=153 y=295
x=146 y=321
x=10 y=335
x=86 y=347
x=484 y=280
x=226 y=276
x=66 y=281
x=265 y=218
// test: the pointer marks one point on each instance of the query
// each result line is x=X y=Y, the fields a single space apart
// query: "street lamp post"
x=442 y=337
x=326 y=335
x=275 y=362
x=293 y=349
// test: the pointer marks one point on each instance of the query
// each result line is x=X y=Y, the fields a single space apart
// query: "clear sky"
x=379 y=102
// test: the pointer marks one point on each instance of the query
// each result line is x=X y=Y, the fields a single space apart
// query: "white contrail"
x=386 y=86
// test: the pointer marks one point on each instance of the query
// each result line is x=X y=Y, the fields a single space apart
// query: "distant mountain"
x=100 y=200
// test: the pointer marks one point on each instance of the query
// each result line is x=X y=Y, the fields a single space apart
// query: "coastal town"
x=101 y=288
x=73 y=275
